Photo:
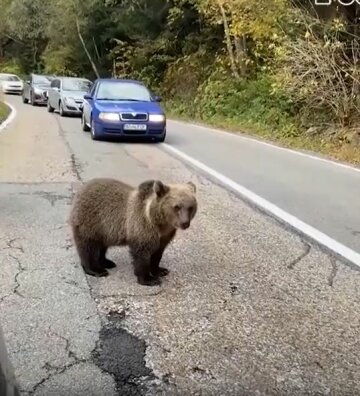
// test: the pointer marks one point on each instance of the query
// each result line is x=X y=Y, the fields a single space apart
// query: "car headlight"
x=156 y=118
x=69 y=100
x=38 y=91
x=109 y=116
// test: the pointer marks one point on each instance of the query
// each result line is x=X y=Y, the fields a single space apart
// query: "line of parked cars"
x=108 y=107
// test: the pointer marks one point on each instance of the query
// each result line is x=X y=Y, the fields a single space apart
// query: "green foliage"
x=185 y=75
x=247 y=103
x=268 y=65
x=4 y=111
x=60 y=61
x=11 y=67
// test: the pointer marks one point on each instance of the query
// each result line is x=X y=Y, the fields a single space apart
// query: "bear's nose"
x=185 y=225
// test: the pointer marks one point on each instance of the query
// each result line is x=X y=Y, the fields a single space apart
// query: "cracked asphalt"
x=249 y=307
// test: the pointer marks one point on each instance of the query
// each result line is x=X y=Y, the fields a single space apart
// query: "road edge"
x=10 y=118
x=271 y=209
x=245 y=136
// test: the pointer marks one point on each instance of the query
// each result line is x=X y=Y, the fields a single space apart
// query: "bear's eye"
x=177 y=207
x=191 y=209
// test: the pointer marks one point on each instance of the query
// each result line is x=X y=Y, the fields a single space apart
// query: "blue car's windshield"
x=72 y=84
x=126 y=91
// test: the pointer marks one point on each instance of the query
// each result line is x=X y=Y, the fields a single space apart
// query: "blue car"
x=117 y=108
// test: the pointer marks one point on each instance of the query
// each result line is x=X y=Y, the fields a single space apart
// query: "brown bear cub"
x=108 y=212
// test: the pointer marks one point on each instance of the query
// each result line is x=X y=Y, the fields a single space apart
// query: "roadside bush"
x=183 y=77
x=4 y=111
x=248 y=104
x=11 y=67
x=321 y=74
x=60 y=61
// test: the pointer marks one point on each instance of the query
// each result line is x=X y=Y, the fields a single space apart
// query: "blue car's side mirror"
x=87 y=97
x=157 y=99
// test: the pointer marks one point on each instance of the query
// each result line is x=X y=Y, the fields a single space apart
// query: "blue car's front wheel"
x=161 y=139
x=93 y=131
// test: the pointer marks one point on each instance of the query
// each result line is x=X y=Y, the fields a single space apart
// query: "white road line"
x=10 y=118
x=274 y=146
x=293 y=221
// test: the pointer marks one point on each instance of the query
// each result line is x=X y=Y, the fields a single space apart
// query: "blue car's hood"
x=122 y=106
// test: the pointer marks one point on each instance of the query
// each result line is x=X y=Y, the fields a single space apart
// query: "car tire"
x=93 y=132
x=24 y=99
x=50 y=109
x=61 y=110
x=161 y=140
x=32 y=100
x=85 y=128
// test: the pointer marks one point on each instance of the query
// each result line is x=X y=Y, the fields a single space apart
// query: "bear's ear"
x=160 y=189
x=192 y=186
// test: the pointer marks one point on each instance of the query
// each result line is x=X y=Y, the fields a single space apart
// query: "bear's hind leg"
x=89 y=253
x=91 y=260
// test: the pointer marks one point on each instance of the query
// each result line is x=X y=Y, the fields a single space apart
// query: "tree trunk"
x=114 y=69
x=228 y=41
x=3 y=44
x=355 y=47
x=96 y=50
x=86 y=50
x=35 y=62
x=241 y=50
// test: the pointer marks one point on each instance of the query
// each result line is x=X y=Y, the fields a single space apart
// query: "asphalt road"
x=248 y=308
x=320 y=193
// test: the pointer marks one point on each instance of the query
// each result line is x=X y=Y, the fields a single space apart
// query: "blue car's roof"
x=118 y=80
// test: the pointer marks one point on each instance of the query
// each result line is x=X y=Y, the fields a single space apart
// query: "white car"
x=11 y=84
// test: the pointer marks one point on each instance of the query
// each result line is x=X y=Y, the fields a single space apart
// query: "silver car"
x=66 y=95
x=35 y=89
x=11 y=84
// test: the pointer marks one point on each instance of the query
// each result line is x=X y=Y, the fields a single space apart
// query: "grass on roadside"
x=4 y=111
x=253 y=107
x=332 y=149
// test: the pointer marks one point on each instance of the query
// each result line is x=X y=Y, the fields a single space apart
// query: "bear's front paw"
x=161 y=271
x=148 y=281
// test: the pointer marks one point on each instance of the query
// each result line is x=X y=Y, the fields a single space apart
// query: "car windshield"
x=42 y=80
x=123 y=91
x=6 y=77
x=70 y=84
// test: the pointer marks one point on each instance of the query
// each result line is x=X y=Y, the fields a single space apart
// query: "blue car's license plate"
x=135 y=127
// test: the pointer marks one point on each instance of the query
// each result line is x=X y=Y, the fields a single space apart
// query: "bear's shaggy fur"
x=107 y=212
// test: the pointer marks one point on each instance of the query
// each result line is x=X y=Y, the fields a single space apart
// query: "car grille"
x=133 y=116
x=120 y=132
x=41 y=95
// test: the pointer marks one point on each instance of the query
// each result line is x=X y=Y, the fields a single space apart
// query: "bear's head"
x=175 y=204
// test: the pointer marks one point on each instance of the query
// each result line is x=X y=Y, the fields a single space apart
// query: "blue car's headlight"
x=109 y=117
x=156 y=117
